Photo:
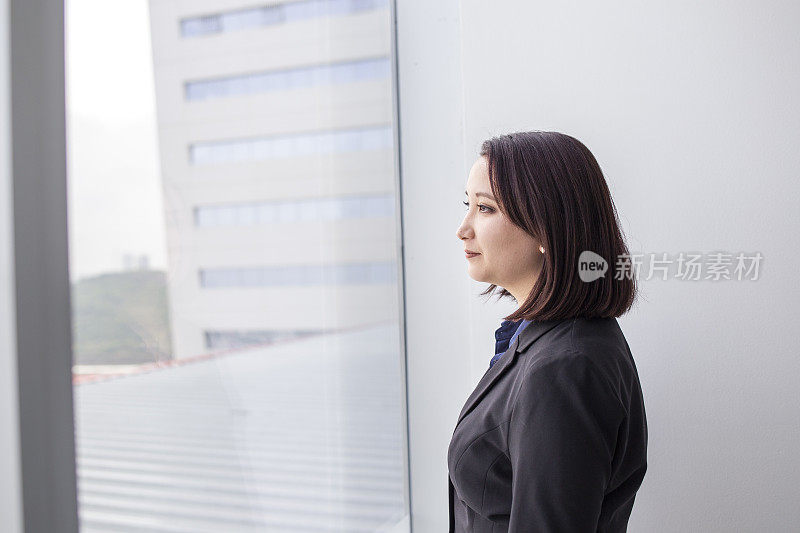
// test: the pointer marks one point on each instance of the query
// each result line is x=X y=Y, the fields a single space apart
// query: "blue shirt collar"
x=505 y=335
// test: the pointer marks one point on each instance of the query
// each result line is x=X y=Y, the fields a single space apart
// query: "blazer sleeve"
x=561 y=440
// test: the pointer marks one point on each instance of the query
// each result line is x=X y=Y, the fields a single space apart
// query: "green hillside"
x=120 y=318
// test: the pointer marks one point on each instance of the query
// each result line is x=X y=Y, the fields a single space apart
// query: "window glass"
x=235 y=275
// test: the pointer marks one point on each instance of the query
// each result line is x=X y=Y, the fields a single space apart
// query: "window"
x=307 y=210
x=262 y=82
x=238 y=355
x=328 y=142
x=288 y=275
x=274 y=14
x=216 y=340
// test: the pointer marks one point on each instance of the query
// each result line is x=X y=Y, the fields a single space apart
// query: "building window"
x=303 y=275
x=242 y=19
x=282 y=212
x=296 y=145
x=282 y=80
x=215 y=340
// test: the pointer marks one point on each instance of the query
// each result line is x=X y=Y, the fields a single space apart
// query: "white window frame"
x=35 y=273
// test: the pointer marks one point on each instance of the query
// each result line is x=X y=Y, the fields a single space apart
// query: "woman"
x=554 y=437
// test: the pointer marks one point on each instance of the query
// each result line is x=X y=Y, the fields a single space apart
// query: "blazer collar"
x=527 y=336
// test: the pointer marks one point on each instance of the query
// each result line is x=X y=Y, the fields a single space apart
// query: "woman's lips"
x=469 y=255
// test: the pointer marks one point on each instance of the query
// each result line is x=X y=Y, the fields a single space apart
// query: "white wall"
x=438 y=312
x=691 y=110
x=10 y=481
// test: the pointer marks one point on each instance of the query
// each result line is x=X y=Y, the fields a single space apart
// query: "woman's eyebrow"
x=486 y=194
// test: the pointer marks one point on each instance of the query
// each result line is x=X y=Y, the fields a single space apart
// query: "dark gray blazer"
x=554 y=437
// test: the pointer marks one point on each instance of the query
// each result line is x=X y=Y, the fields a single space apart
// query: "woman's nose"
x=462 y=230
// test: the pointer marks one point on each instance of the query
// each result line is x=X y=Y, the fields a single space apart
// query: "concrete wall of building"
x=182 y=123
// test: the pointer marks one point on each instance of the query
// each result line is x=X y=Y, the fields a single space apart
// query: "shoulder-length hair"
x=550 y=185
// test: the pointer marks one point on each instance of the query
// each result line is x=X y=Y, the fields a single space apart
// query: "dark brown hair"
x=550 y=185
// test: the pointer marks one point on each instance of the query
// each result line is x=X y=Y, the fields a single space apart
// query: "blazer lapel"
x=532 y=331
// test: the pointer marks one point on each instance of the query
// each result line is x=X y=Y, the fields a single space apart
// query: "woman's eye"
x=480 y=206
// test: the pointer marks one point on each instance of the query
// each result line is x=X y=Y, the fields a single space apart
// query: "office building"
x=277 y=149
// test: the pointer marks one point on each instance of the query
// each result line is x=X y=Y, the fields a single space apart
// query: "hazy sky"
x=115 y=200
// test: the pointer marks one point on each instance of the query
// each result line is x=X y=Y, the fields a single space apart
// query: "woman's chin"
x=476 y=274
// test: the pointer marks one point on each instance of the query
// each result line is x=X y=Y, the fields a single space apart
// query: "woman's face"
x=507 y=255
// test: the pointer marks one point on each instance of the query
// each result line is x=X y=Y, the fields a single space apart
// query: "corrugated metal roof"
x=302 y=436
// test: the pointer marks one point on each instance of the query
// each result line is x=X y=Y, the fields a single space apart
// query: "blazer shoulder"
x=578 y=343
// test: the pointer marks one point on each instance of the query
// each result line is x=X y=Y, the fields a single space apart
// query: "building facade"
x=277 y=147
